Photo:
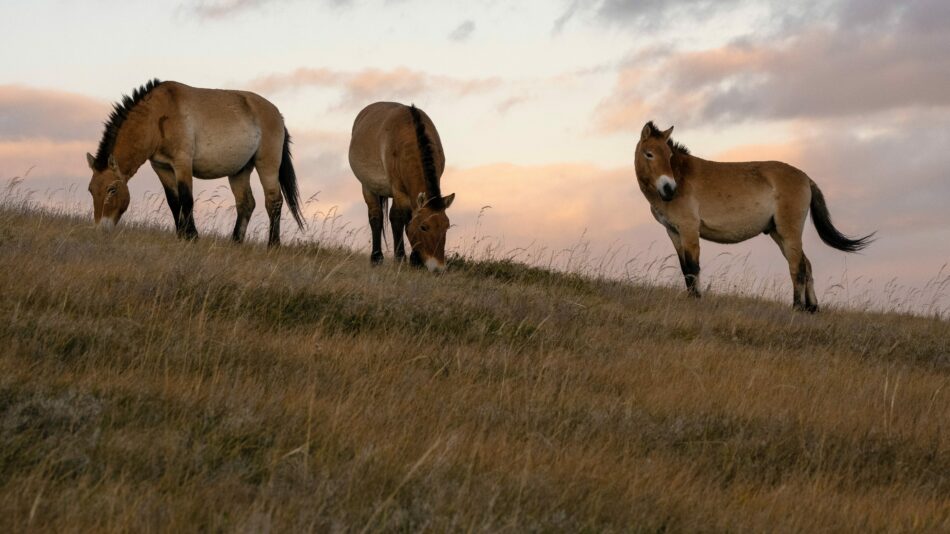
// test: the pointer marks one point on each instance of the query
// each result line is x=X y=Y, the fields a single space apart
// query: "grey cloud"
x=220 y=9
x=568 y=14
x=866 y=58
x=463 y=31
x=640 y=12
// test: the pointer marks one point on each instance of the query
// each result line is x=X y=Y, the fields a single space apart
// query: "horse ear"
x=448 y=200
x=91 y=160
x=647 y=132
x=666 y=135
x=421 y=200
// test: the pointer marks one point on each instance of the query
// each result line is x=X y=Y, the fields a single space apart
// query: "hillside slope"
x=149 y=383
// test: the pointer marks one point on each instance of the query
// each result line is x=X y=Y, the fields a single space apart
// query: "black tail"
x=826 y=231
x=288 y=182
x=384 y=203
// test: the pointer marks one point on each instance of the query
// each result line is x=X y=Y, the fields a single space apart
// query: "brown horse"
x=731 y=202
x=396 y=153
x=187 y=132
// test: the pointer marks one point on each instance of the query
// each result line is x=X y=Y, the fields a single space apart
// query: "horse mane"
x=120 y=112
x=433 y=191
x=676 y=147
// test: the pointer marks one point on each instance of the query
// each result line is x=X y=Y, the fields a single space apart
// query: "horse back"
x=384 y=151
x=745 y=179
x=223 y=129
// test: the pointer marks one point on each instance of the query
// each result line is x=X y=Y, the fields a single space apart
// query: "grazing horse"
x=731 y=202
x=187 y=132
x=396 y=153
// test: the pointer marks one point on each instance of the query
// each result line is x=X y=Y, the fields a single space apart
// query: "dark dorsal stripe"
x=654 y=131
x=427 y=153
x=120 y=112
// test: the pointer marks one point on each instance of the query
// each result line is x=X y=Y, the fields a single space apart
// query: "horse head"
x=654 y=162
x=110 y=193
x=427 y=229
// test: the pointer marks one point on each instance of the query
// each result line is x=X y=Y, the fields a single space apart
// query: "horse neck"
x=681 y=164
x=408 y=172
x=136 y=141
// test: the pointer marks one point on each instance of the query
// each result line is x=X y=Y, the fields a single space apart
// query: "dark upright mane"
x=120 y=112
x=677 y=147
x=433 y=192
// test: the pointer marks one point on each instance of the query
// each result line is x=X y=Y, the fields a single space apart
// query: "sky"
x=539 y=105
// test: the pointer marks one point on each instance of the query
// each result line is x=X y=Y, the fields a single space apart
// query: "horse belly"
x=226 y=153
x=372 y=174
x=736 y=226
x=377 y=182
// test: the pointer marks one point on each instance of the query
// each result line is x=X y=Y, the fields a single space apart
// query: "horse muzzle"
x=106 y=225
x=667 y=193
x=666 y=188
x=435 y=266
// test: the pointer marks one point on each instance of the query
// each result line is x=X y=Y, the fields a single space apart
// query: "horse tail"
x=288 y=181
x=826 y=231
x=384 y=202
x=427 y=154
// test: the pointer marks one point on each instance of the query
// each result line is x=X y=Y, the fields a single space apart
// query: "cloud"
x=46 y=157
x=27 y=112
x=866 y=58
x=641 y=13
x=567 y=15
x=219 y=9
x=551 y=205
x=368 y=85
x=506 y=105
x=463 y=31
x=222 y=9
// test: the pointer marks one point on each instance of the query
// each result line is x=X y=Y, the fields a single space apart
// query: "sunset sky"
x=539 y=105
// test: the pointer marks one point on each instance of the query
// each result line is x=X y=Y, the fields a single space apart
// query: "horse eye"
x=649 y=155
x=424 y=228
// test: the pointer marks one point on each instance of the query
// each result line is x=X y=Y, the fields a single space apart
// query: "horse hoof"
x=376 y=258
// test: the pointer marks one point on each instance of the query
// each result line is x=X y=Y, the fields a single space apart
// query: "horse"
x=695 y=198
x=395 y=152
x=187 y=132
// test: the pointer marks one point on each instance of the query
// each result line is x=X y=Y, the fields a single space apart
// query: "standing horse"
x=396 y=153
x=732 y=202
x=187 y=132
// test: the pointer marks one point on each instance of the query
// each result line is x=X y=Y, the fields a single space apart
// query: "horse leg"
x=688 y=251
x=811 y=301
x=799 y=269
x=186 y=214
x=399 y=217
x=267 y=169
x=166 y=175
x=375 y=211
x=690 y=243
x=243 y=201
x=689 y=261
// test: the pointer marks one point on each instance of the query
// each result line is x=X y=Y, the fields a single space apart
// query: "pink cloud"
x=27 y=112
x=47 y=158
x=364 y=86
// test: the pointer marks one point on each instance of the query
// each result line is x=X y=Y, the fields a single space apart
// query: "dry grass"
x=152 y=384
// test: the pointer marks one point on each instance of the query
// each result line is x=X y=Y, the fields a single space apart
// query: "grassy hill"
x=152 y=384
